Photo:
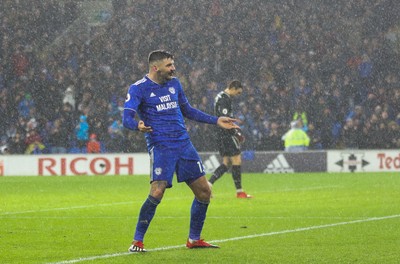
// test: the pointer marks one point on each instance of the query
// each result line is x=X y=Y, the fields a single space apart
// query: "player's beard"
x=166 y=76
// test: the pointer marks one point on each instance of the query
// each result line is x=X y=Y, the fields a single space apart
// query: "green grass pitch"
x=293 y=218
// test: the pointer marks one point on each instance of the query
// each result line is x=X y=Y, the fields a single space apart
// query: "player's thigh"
x=189 y=166
x=236 y=159
x=229 y=147
x=201 y=189
x=162 y=165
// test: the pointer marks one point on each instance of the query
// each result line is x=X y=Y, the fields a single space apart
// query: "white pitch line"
x=63 y=208
x=234 y=238
x=72 y=207
x=167 y=199
x=185 y=217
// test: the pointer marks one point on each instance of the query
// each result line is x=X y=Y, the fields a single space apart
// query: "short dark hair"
x=235 y=84
x=158 y=55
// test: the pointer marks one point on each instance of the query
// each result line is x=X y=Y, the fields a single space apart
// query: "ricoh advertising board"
x=74 y=165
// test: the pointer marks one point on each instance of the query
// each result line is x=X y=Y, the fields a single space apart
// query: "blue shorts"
x=182 y=160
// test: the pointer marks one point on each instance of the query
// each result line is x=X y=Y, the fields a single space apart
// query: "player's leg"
x=160 y=180
x=146 y=214
x=199 y=207
x=190 y=169
x=225 y=146
x=237 y=171
x=220 y=170
x=148 y=208
x=237 y=176
x=198 y=212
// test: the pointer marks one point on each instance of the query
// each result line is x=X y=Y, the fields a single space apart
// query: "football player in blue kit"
x=161 y=105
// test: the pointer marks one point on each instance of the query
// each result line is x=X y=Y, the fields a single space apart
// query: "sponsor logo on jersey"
x=166 y=106
x=279 y=165
x=166 y=103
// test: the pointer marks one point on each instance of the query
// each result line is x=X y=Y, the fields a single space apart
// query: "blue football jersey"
x=158 y=105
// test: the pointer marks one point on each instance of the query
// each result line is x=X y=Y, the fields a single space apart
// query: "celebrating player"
x=229 y=140
x=161 y=105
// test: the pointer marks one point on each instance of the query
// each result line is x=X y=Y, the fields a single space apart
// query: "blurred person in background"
x=351 y=134
x=82 y=133
x=17 y=144
x=229 y=141
x=33 y=142
x=93 y=145
x=296 y=140
x=69 y=96
x=58 y=137
x=116 y=136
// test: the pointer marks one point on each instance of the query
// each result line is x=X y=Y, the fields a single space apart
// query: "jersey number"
x=201 y=168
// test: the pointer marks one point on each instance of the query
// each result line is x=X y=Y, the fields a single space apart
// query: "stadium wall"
x=258 y=162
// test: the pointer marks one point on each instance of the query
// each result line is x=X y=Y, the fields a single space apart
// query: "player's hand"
x=143 y=128
x=227 y=122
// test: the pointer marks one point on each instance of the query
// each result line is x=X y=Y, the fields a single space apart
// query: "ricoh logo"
x=84 y=166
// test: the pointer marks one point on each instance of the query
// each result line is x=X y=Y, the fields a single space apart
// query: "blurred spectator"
x=16 y=144
x=351 y=135
x=296 y=140
x=93 y=145
x=34 y=144
x=393 y=136
x=300 y=114
x=271 y=139
x=315 y=137
x=25 y=106
x=58 y=138
x=116 y=140
x=69 y=96
x=20 y=62
x=82 y=133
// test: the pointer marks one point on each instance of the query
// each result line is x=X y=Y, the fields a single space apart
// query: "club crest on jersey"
x=157 y=171
x=171 y=90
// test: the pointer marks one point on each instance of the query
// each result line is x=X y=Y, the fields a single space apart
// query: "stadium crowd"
x=332 y=64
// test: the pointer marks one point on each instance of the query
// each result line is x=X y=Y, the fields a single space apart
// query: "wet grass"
x=293 y=218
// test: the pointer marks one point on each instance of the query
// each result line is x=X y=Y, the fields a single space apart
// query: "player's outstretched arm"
x=227 y=122
x=128 y=120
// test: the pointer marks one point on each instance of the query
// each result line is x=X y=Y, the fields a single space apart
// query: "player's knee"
x=204 y=195
x=157 y=190
x=158 y=194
